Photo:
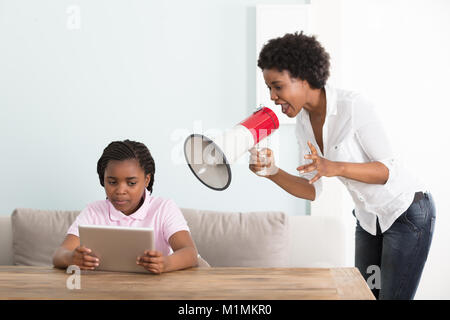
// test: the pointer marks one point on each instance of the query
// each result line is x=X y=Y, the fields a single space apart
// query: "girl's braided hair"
x=124 y=150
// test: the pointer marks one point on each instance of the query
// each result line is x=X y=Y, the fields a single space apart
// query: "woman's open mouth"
x=285 y=107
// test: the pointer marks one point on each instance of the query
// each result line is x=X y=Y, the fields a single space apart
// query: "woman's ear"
x=306 y=84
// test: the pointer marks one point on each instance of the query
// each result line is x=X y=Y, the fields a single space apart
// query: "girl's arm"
x=70 y=252
x=184 y=252
x=184 y=255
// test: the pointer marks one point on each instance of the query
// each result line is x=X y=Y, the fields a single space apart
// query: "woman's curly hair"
x=303 y=56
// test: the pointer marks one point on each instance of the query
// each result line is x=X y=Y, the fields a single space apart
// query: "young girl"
x=126 y=170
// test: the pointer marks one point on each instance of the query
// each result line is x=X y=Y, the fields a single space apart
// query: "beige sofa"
x=250 y=239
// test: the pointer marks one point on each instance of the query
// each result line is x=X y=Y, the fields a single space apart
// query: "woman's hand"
x=82 y=258
x=153 y=261
x=262 y=162
x=324 y=167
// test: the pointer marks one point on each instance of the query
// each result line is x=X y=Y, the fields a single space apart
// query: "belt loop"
x=418 y=196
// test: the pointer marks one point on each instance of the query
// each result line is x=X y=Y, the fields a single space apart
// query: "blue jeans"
x=399 y=253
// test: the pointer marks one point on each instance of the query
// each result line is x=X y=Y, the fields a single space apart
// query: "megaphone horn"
x=210 y=159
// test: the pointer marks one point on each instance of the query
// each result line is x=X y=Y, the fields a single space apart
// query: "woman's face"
x=290 y=93
x=125 y=182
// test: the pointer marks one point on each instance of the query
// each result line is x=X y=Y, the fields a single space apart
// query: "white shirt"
x=353 y=132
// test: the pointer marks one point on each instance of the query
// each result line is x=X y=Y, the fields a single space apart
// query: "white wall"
x=144 y=70
x=397 y=53
x=149 y=70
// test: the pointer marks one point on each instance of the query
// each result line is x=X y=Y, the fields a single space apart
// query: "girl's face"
x=290 y=93
x=125 y=182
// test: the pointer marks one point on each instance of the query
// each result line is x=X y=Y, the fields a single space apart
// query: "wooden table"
x=17 y=282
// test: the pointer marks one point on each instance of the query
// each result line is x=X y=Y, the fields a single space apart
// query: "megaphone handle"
x=261 y=172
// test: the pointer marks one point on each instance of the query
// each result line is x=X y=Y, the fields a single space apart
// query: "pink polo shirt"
x=160 y=214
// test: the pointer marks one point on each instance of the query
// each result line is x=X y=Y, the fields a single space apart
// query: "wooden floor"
x=196 y=283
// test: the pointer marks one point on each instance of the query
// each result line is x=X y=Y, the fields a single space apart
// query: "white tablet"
x=117 y=247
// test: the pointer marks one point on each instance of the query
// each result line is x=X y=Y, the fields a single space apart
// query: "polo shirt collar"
x=140 y=214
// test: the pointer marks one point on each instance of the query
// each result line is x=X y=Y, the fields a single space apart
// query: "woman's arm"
x=297 y=186
x=370 y=172
x=184 y=255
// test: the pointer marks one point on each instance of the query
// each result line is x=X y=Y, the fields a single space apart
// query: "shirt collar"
x=330 y=93
x=140 y=214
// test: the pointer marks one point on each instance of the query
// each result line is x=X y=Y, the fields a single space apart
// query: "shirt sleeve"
x=82 y=219
x=371 y=134
x=174 y=220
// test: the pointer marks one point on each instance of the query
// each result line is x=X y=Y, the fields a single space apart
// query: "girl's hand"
x=324 y=167
x=82 y=258
x=262 y=162
x=153 y=261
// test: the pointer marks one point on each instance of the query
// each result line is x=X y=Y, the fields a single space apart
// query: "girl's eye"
x=114 y=182
x=278 y=88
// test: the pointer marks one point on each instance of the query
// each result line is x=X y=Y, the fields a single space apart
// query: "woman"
x=340 y=135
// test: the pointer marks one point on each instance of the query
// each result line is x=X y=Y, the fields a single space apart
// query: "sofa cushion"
x=236 y=239
x=38 y=233
x=254 y=239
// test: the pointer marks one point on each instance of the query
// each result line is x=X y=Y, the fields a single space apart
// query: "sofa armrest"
x=317 y=242
x=6 y=252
